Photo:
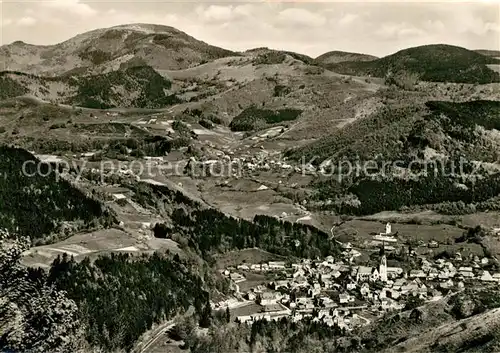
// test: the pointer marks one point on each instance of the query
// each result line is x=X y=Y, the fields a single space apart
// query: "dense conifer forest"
x=211 y=231
x=120 y=297
x=254 y=118
x=283 y=335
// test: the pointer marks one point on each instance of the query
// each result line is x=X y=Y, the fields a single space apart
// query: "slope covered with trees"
x=136 y=86
x=34 y=200
x=254 y=118
x=283 y=335
x=389 y=162
x=120 y=297
x=210 y=231
x=396 y=132
x=10 y=88
x=100 y=91
x=34 y=317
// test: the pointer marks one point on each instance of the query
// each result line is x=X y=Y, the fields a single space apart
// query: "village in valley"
x=348 y=293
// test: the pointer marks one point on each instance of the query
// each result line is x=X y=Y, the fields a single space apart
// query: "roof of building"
x=272 y=307
x=365 y=270
x=395 y=269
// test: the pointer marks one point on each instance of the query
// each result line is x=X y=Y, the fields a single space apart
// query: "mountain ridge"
x=167 y=48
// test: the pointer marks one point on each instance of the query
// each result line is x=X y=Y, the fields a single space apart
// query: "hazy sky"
x=309 y=27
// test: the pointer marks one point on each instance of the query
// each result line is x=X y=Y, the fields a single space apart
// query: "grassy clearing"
x=358 y=229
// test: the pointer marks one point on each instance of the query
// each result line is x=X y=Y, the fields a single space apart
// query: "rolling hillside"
x=161 y=47
x=486 y=52
x=443 y=126
x=335 y=57
x=264 y=53
x=138 y=86
x=435 y=63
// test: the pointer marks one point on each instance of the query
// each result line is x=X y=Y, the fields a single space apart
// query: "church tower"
x=383 y=269
x=388 y=229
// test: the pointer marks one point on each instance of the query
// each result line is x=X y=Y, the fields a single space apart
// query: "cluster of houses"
x=449 y=275
x=347 y=295
x=302 y=292
x=259 y=161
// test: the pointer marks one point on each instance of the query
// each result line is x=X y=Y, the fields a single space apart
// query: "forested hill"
x=210 y=231
x=35 y=203
x=460 y=134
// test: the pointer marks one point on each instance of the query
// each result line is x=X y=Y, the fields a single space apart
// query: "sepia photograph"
x=249 y=176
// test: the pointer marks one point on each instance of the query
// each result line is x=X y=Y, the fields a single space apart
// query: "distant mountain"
x=435 y=63
x=335 y=57
x=160 y=47
x=138 y=86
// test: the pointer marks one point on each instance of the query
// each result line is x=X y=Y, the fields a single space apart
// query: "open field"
x=253 y=280
x=486 y=219
x=245 y=310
